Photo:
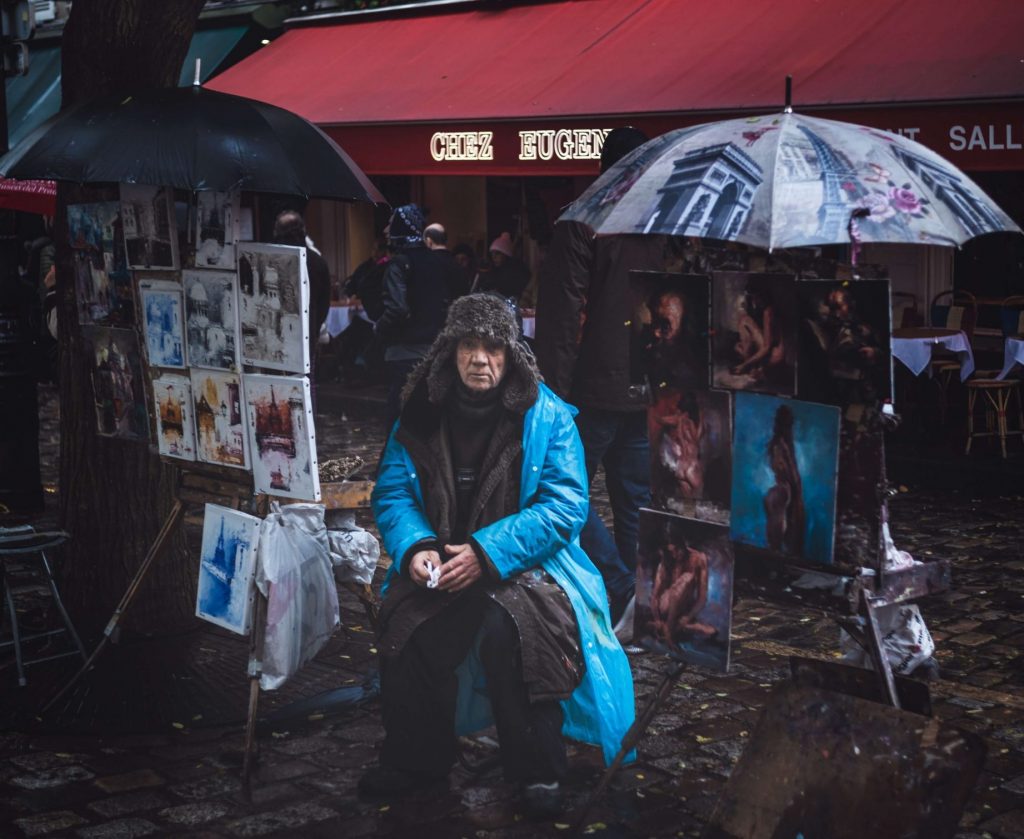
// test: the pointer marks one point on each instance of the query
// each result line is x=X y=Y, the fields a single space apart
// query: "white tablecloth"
x=916 y=353
x=529 y=327
x=339 y=317
x=1012 y=356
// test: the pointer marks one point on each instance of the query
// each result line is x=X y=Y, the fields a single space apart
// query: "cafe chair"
x=998 y=397
x=1011 y=316
x=951 y=310
x=905 y=311
x=24 y=549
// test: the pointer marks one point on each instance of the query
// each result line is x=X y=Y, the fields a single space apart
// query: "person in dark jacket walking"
x=582 y=346
x=480 y=495
x=415 y=300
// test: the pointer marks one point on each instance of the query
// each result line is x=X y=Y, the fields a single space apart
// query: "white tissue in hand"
x=435 y=575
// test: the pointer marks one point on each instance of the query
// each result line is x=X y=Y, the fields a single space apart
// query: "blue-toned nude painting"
x=226 y=568
x=785 y=462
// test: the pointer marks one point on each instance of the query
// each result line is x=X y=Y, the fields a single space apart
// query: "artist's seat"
x=24 y=549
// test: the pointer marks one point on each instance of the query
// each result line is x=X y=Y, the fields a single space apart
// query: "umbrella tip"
x=196 y=80
x=789 y=95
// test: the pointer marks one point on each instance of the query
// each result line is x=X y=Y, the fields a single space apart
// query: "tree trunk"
x=114 y=494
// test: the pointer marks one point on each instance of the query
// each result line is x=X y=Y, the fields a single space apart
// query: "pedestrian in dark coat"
x=584 y=303
x=482 y=486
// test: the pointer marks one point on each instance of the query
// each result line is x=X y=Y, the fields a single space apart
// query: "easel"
x=199 y=484
x=213 y=484
x=345 y=495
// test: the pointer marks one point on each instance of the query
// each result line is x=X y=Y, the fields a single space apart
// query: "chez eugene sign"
x=982 y=137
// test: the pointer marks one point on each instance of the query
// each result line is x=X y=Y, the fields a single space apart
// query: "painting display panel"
x=754 y=332
x=690 y=435
x=844 y=339
x=118 y=384
x=273 y=306
x=175 y=426
x=216 y=228
x=282 y=441
x=103 y=291
x=669 y=329
x=162 y=322
x=227 y=566
x=684 y=582
x=211 y=319
x=220 y=429
x=150 y=230
x=785 y=456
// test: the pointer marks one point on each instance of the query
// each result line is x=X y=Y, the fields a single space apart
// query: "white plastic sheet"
x=354 y=551
x=905 y=639
x=294 y=573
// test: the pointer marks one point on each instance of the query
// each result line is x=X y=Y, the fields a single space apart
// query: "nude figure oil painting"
x=684 y=574
x=752 y=320
x=690 y=435
x=785 y=460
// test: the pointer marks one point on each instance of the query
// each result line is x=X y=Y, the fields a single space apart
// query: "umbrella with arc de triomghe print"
x=789 y=180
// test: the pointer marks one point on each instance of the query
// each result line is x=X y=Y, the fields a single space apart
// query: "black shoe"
x=384 y=782
x=541 y=801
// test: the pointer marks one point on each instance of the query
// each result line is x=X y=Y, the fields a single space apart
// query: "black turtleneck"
x=472 y=419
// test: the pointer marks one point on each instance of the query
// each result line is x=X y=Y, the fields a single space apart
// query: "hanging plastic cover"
x=295 y=574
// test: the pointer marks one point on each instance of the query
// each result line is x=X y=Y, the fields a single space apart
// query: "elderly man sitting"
x=491 y=610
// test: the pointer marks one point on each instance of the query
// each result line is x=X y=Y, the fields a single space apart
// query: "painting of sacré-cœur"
x=162 y=322
x=220 y=430
x=211 y=319
x=274 y=305
x=216 y=225
x=175 y=426
x=226 y=568
x=117 y=381
x=150 y=232
x=281 y=437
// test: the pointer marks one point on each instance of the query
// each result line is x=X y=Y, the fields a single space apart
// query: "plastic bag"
x=905 y=639
x=294 y=573
x=354 y=551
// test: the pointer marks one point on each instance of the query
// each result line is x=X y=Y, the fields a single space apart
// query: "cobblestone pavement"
x=183 y=780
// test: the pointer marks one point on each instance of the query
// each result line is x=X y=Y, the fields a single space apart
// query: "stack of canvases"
x=207 y=329
x=241 y=307
x=765 y=430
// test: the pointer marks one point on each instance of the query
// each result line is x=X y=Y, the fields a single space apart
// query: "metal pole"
x=789 y=96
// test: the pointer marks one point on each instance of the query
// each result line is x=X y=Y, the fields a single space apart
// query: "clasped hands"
x=461 y=570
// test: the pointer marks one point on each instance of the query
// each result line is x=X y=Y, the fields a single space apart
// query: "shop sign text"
x=462 y=145
x=564 y=144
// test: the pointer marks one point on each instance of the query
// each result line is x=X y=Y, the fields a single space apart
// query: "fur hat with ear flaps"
x=485 y=316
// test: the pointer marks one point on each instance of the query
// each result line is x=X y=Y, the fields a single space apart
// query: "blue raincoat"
x=553 y=502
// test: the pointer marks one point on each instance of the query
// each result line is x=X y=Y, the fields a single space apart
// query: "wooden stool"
x=25 y=545
x=997 y=395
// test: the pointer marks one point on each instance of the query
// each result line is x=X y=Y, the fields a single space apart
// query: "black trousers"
x=418 y=688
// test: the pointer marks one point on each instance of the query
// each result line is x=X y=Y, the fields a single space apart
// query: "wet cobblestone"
x=185 y=782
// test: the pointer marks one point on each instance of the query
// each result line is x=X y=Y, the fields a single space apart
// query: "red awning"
x=576 y=61
x=28 y=196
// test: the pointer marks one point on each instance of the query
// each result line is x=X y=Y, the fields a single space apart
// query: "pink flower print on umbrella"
x=904 y=200
x=878 y=206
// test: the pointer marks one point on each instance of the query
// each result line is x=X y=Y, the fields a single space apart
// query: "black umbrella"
x=190 y=138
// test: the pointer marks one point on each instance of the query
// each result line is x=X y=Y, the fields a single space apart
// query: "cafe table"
x=913 y=347
x=1013 y=354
